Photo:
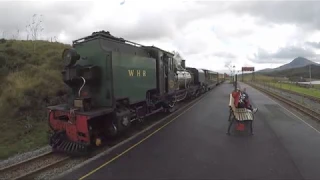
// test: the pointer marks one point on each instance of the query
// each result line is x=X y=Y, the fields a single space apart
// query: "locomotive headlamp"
x=70 y=56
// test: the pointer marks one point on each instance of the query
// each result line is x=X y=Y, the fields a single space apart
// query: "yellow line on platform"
x=116 y=157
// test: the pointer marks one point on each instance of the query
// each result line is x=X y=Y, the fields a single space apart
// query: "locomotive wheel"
x=141 y=119
x=171 y=109
x=112 y=129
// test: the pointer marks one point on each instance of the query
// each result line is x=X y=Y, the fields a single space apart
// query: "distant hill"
x=296 y=63
x=297 y=73
x=265 y=70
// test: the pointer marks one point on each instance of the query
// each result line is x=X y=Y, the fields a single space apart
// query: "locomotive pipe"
x=84 y=82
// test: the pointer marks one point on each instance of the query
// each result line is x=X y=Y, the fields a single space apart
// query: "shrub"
x=29 y=82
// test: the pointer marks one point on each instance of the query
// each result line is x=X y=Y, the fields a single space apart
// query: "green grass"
x=258 y=77
x=273 y=81
x=301 y=90
x=30 y=80
x=19 y=140
x=317 y=86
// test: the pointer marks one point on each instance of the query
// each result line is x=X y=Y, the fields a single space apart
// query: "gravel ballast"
x=294 y=97
x=24 y=156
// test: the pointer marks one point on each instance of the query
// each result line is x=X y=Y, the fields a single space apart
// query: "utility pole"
x=310 y=74
x=234 y=70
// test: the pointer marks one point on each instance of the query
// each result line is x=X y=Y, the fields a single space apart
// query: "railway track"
x=315 y=115
x=295 y=93
x=29 y=168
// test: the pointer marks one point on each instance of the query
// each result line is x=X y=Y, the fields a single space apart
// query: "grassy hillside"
x=30 y=80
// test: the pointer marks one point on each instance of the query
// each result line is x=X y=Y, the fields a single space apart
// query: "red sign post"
x=246 y=69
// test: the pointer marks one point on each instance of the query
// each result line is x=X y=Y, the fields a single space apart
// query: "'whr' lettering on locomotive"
x=137 y=73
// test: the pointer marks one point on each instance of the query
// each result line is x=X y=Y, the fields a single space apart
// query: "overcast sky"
x=208 y=34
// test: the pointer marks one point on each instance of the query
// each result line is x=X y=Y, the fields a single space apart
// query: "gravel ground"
x=24 y=168
x=296 y=98
x=24 y=156
x=53 y=173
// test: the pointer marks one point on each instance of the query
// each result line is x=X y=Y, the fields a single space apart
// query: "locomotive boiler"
x=183 y=77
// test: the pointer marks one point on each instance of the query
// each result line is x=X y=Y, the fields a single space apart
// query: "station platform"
x=195 y=146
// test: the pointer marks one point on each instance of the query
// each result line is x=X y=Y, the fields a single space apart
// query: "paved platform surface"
x=195 y=146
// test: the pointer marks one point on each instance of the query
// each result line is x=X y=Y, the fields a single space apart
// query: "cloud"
x=225 y=55
x=205 y=33
x=304 y=13
x=282 y=55
x=134 y=20
x=314 y=44
x=57 y=16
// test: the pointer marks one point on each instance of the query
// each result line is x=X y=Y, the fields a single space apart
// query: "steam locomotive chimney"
x=183 y=63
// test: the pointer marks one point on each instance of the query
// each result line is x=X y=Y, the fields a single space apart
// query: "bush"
x=30 y=80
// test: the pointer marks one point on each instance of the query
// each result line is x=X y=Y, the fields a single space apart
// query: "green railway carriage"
x=221 y=78
x=211 y=78
x=198 y=78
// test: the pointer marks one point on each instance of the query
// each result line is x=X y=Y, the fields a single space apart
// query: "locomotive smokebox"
x=70 y=57
x=183 y=63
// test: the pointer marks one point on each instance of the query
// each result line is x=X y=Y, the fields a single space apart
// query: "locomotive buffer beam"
x=60 y=143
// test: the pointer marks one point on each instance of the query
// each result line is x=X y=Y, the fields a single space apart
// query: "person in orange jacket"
x=236 y=95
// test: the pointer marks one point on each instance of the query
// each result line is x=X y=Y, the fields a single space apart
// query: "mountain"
x=296 y=63
x=265 y=70
x=297 y=73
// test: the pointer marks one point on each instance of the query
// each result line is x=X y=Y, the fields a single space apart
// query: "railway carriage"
x=199 y=79
x=221 y=78
x=211 y=78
